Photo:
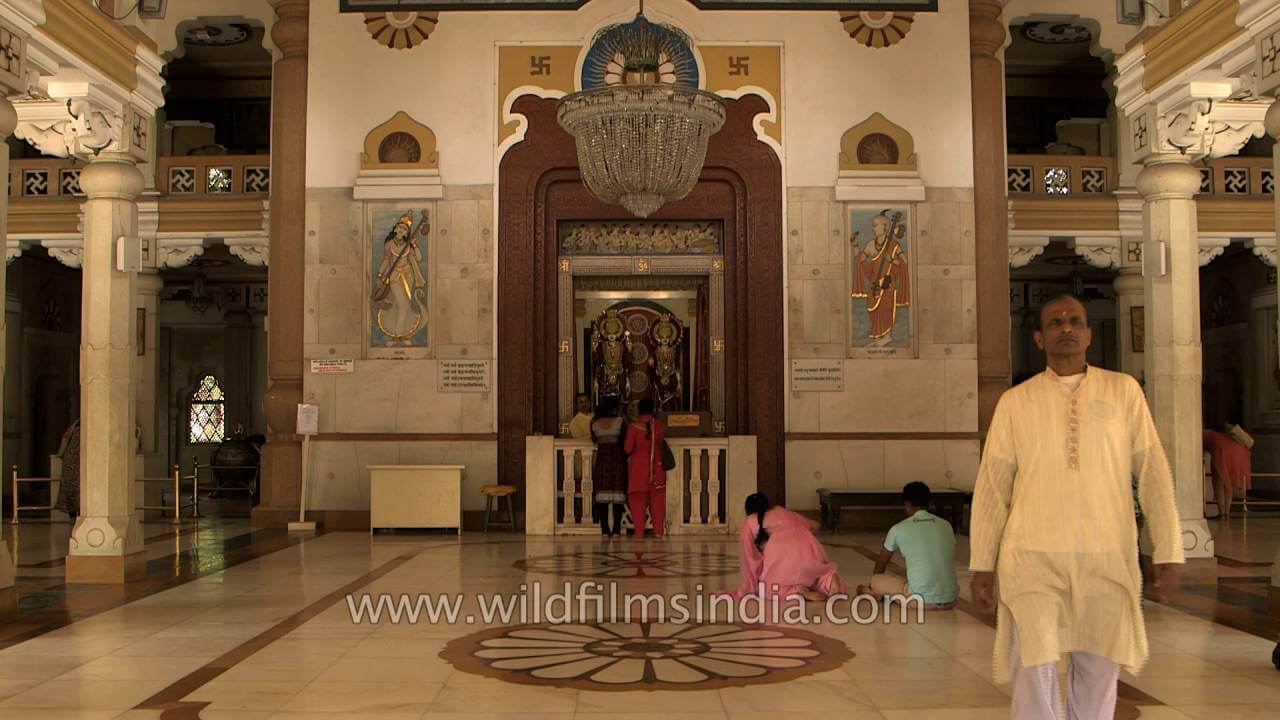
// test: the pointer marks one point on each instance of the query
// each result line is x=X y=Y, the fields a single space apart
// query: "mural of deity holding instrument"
x=881 y=270
x=398 y=291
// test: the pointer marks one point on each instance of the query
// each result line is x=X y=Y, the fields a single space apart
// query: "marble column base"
x=106 y=569
x=1197 y=541
x=280 y=478
x=106 y=535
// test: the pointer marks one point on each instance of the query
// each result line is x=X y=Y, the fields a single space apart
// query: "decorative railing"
x=1238 y=177
x=45 y=178
x=214 y=175
x=1076 y=175
x=696 y=486
x=181 y=176
x=1061 y=175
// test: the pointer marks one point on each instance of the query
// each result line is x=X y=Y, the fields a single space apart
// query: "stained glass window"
x=208 y=424
x=219 y=180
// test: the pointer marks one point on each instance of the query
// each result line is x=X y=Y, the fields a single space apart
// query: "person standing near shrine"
x=1053 y=516
x=580 y=425
x=69 y=482
x=646 y=478
x=1232 y=464
x=609 y=471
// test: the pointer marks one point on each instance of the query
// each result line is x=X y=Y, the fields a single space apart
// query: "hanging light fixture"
x=642 y=131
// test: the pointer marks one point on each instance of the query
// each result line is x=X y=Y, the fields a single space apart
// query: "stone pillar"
x=282 y=455
x=1272 y=123
x=990 y=205
x=106 y=542
x=146 y=373
x=8 y=121
x=1172 y=365
x=1129 y=294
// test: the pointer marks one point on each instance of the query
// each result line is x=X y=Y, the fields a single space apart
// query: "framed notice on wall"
x=817 y=375
x=456 y=376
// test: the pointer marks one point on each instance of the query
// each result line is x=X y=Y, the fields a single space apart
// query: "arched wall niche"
x=877 y=144
x=400 y=143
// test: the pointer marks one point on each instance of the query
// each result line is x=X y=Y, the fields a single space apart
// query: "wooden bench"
x=946 y=503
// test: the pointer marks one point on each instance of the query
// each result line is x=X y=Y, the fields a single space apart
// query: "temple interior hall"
x=496 y=359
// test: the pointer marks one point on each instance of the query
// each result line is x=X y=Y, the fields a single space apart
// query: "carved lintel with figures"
x=640 y=238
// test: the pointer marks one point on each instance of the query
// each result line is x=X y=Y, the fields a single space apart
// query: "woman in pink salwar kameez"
x=786 y=558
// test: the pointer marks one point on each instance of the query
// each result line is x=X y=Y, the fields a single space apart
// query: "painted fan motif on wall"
x=400 y=30
x=878 y=29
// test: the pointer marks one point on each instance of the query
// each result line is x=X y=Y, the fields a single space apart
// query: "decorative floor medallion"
x=645 y=656
x=632 y=564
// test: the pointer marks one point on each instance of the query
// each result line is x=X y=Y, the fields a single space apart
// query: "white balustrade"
x=696 y=500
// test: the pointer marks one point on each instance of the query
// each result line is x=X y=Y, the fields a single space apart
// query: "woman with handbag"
x=646 y=477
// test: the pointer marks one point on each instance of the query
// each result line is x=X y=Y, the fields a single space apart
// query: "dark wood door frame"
x=741 y=185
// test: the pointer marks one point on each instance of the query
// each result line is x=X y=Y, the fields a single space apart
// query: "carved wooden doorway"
x=540 y=191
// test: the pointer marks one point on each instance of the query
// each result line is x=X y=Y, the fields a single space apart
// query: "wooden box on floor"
x=415 y=496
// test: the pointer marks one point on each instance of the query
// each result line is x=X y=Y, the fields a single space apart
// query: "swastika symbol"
x=740 y=65
x=539 y=64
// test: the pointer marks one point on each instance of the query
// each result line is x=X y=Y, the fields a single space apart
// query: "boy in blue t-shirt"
x=928 y=546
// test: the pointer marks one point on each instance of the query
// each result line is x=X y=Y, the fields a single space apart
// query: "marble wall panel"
x=928 y=393
x=399 y=396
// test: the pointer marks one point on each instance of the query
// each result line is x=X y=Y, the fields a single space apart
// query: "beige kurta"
x=1053 y=516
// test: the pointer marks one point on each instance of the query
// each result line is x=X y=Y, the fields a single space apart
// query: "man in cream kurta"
x=1053 y=515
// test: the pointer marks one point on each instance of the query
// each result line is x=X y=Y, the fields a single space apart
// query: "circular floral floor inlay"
x=632 y=564
x=645 y=656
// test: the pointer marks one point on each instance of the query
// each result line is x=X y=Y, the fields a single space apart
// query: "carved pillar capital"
x=1271 y=121
x=1168 y=177
x=112 y=176
x=986 y=31
x=1129 y=282
x=289 y=32
x=8 y=118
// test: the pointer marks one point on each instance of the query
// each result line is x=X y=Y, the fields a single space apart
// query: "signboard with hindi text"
x=817 y=375
x=458 y=376
x=333 y=365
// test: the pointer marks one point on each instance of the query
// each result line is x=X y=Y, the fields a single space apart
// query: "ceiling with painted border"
x=354 y=6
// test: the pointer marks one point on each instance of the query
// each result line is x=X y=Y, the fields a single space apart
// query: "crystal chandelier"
x=642 y=134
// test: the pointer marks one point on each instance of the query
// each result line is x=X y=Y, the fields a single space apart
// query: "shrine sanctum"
x=282 y=273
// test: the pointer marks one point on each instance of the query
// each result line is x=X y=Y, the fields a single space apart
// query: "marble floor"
x=238 y=624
